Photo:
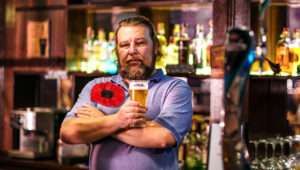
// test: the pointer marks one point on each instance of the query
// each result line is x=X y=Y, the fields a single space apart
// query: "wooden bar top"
x=9 y=163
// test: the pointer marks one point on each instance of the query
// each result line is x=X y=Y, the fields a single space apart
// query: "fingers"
x=131 y=103
x=135 y=109
x=131 y=114
x=87 y=107
x=135 y=120
x=138 y=123
x=82 y=114
x=86 y=111
x=83 y=110
x=136 y=116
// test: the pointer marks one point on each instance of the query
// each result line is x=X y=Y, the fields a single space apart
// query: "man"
x=122 y=133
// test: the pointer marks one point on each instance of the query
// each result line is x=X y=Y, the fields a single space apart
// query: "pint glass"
x=138 y=90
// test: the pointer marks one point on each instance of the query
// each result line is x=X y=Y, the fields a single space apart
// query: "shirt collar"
x=119 y=80
x=156 y=76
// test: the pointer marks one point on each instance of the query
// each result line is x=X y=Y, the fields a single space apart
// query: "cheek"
x=149 y=55
x=121 y=57
x=147 y=51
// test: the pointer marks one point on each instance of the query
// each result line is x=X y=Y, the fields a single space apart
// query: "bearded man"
x=122 y=133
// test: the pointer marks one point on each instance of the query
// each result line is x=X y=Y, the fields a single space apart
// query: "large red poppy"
x=108 y=94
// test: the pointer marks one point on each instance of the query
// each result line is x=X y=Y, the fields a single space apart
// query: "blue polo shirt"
x=169 y=104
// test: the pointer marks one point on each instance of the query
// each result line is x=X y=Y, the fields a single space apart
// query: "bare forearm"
x=84 y=130
x=91 y=124
x=147 y=137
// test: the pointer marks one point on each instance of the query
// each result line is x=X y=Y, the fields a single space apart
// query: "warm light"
x=10 y=14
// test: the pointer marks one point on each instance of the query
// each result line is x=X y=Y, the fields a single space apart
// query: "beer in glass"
x=138 y=90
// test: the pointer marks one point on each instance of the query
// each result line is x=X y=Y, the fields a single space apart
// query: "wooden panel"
x=254 y=18
x=229 y=13
x=8 y=106
x=2 y=28
x=267 y=107
x=242 y=14
x=1 y=104
x=17 y=164
x=34 y=3
x=276 y=20
x=57 y=30
x=294 y=17
x=58 y=33
x=20 y=35
x=219 y=21
x=34 y=62
x=284 y=2
x=10 y=29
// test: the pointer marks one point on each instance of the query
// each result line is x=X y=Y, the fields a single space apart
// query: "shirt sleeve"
x=176 y=113
x=83 y=98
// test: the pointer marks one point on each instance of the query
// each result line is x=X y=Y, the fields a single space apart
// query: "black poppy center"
x=107 y=94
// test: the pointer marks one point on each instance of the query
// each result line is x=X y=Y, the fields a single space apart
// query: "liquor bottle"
x=107 y=63
x=209 y=43
x=95 y=61
x=88 y=42
x=193 y=156
x=161 y=59
x=101 y=46
x=183 y=45
x=199 y=48
x=260 y=65
x=295 y=52
x=111 y=63
x=111 y=46
x=176 y=33
x=172 y=47
x=263 y=48
x=161 y=34
x=87 y=49
x=282 y=52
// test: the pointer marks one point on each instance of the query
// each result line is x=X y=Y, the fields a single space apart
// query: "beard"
x=136 y=72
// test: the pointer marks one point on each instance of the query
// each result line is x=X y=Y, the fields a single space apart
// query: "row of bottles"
x=179 y=48
x=288 y=52
x=193 y=150
x=98 y=53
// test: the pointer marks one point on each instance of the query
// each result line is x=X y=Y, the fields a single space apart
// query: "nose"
x=132 y=49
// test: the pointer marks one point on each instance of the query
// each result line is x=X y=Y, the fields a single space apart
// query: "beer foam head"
x=138 y=85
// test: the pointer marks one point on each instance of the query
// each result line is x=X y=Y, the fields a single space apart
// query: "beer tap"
x=239 y=56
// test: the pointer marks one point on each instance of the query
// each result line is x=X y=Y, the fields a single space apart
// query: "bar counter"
x=9 y=163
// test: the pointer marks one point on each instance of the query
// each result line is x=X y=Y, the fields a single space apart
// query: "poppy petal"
x=115 y=100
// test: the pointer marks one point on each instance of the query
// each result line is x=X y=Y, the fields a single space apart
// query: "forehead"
x=133 y=31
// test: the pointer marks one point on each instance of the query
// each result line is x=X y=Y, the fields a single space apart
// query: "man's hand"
x=131 y=114
x=88 y=111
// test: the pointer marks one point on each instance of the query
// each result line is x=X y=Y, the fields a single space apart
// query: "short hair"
x=132 y=20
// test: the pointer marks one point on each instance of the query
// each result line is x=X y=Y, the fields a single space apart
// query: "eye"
x=124 y=45
x=141 y=42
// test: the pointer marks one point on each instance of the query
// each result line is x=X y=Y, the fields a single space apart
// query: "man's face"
x=135 y=50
